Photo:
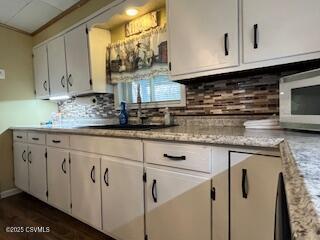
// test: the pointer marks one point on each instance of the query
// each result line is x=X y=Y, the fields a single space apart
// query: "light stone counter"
x=300 y=155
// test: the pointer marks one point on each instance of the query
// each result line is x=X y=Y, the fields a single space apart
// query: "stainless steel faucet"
x=140 y=116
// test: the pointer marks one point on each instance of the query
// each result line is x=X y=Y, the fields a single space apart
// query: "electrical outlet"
x=2 y=74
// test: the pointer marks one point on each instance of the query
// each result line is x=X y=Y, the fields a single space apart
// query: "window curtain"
x=139 y=57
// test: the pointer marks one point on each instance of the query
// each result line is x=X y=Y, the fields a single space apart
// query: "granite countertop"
x=300 y=157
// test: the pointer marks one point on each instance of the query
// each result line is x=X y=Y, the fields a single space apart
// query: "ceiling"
x=30 y=15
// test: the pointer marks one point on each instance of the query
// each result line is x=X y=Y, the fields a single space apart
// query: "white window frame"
x=174 y=103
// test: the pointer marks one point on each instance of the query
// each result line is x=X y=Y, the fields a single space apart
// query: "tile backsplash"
x=256 y=93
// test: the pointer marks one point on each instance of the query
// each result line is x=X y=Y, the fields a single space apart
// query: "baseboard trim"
x=10 y=192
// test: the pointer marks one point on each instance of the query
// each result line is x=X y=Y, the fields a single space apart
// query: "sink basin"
x=136 y=127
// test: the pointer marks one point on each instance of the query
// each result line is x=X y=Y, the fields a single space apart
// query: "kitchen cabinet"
x=122 y=198
x=85 y=188
x=77 y=52
x=21 y=171
x=59 y=179
x=276 y=29
x=251 y=195
x=177 y=205
x=203 y=35
x=41 y=72
x=57 y=67
x=37 y=171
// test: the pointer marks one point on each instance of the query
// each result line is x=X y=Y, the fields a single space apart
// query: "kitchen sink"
x=136 y=127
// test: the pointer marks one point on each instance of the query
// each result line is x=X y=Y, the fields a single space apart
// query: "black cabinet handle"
x=63 y=166
x=23 y=155
x=29 y=159
x=45 y=85
x=92 y=174
x=56 y=141
x=69 y=82
x=35 y=139
x=20 y=137
x=175 y=158
x=244 y=183
x=106 y=177
x=62 y=82
x=226 y=44
x=154 y=191
x=255 y=29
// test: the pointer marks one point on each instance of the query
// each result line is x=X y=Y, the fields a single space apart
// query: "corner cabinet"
x=245 y=189
x=203 y=35
x=41 y=72
x=277 y=29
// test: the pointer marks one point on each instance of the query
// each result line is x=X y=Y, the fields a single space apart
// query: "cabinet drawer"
x=19 y=136
x=185 y=156
x=36 y=138
x=56 y=140
x=116 y=147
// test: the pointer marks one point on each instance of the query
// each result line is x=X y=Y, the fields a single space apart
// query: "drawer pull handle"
x=29 y=158
x=244 y=183
x=175 y=158
x=63 y=166
x=92 y=174
x=20 y=137
x=106 y=177
x=35 y=139
x=154 y=191
x=56 y=141
x=23 y=155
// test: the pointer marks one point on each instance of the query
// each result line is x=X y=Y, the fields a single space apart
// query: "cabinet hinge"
x=213 y=193
x=87 y=31
x=144 y=177
x=90 y=81
x=169 y=66
x=146 y=237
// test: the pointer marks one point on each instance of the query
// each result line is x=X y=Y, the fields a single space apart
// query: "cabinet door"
x=59 y=179
x=178 y=206
x=122 y=198
x=85 y=188
x=37 y=171
x=283 y=28
x=77 y=53
x=203 y=35
x=57 y=67
x=253 y=191
x=21 y=172
x=41 y=73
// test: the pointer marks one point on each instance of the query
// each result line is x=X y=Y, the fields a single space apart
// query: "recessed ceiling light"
x=131 y=12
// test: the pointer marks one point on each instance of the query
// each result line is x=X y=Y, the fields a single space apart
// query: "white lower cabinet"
x=122 y=198
x=21 y=171
x=245 y=193
x=86 y=188
x=59 y=179
x=37 y=171
x=177 y=205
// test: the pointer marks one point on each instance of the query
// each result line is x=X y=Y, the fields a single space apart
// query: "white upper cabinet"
x=41 y=75
x=203 y=35
x=275 y=29
x=77 y=52
x=57 y=67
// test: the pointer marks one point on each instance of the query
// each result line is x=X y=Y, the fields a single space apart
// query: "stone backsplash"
x=250 y=93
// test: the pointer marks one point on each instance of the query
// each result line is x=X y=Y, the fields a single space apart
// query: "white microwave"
x=300 y=101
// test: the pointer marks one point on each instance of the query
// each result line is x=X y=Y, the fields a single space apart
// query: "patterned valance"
x=139 y=57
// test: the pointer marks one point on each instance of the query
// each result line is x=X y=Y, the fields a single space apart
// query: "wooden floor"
x=22 y=210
